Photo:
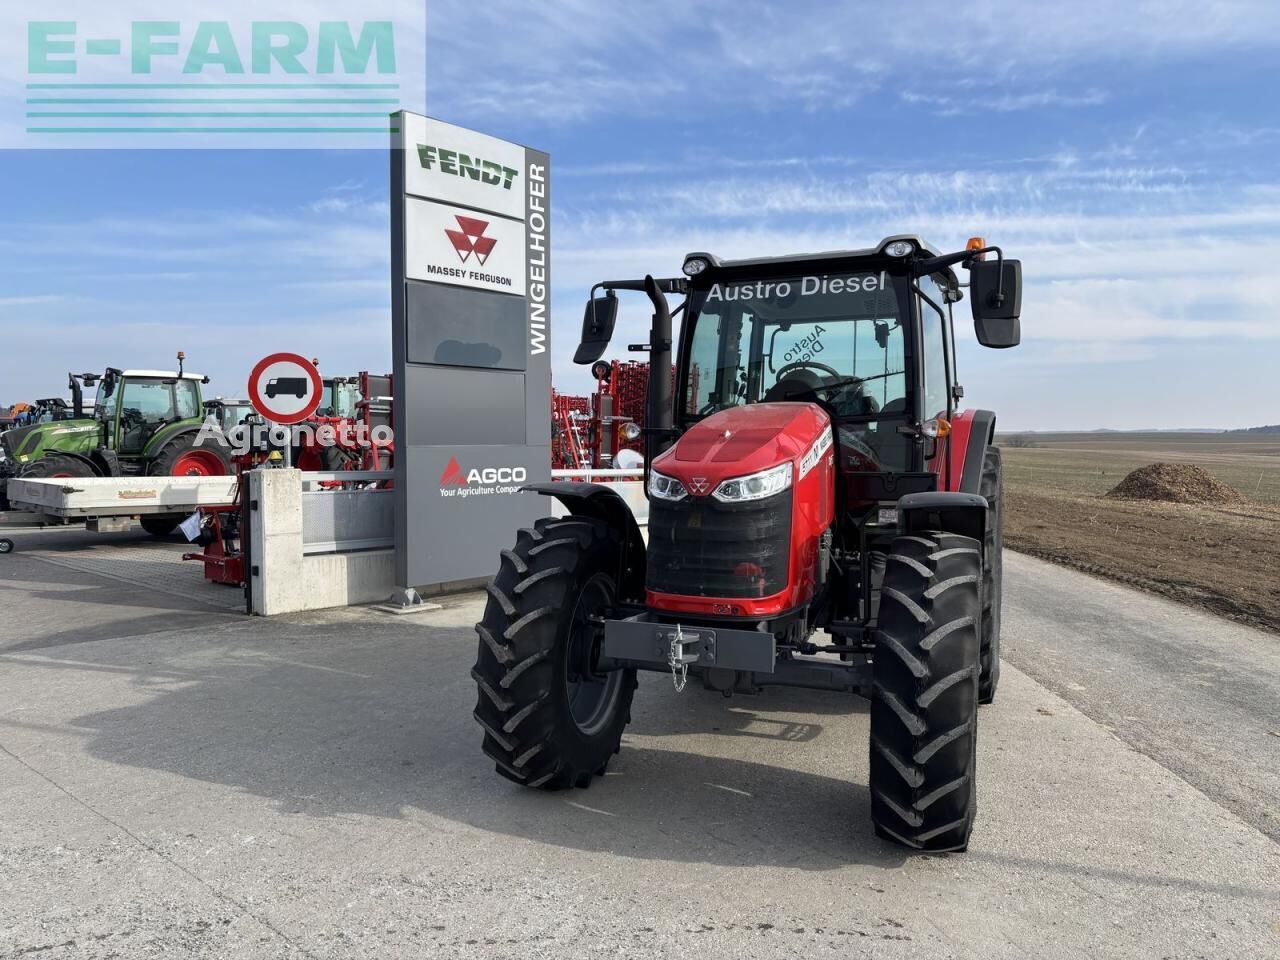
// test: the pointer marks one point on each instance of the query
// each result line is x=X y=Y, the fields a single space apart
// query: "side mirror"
x=995 y=294
x=597 y=328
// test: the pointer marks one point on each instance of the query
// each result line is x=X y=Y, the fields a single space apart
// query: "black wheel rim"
x=592 y=695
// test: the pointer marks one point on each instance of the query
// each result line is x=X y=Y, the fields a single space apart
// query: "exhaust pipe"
x=658 y=415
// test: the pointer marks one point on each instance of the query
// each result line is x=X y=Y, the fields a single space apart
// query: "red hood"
x=742 y=440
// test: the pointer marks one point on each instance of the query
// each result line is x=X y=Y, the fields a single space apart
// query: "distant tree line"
x=1269 y=428
x=1016 y=440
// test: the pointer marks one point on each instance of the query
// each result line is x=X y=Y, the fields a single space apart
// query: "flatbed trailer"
x=109 y=503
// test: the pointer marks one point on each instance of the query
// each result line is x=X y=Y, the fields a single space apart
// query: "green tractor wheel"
x=55 y=465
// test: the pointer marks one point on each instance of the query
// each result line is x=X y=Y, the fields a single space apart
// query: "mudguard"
x=962 y=513
x=164 y=436
x=600 y=502
x=87 y=460
x=971 y=432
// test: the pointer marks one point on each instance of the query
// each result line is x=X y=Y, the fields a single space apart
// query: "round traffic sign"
x=285 y=387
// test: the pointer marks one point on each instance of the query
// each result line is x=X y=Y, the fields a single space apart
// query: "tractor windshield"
x=837 y=339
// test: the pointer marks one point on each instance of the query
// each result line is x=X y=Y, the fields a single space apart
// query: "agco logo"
x=462 y=165
x=455 y=476
x=469 y=238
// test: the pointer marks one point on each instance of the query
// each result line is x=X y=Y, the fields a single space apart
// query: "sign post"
x=471 y=340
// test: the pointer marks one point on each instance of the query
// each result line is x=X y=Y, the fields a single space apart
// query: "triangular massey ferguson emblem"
x=453 y=475
x=470 y=238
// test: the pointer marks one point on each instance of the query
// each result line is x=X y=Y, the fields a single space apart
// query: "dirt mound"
x=1173 y=483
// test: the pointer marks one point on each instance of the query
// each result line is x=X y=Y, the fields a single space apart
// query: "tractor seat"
x=797 y=385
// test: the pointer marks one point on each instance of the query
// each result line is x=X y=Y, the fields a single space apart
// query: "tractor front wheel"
x=56 y=465
x=551 y=717
x=924 y=706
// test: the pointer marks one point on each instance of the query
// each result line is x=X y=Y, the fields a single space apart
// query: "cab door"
x=145 y=406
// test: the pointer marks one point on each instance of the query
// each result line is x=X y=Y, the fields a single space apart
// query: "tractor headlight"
x=666 y=488
x=630 y=430
x=900 y=248
x=756 y=486
x=694 y=266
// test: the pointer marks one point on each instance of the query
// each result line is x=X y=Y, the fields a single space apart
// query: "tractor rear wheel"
x=992 y=487
x=160 y=525
x=924 y=706
x=551 y=718
x=181 y=457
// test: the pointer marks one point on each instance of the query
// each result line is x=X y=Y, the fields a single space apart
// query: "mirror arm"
x=924 y=268
x=595 y=325
x=666 y=285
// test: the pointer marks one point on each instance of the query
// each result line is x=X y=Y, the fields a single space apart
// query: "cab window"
x=933 y=336
x=836 y=337
x=186 y=402
x=147 y=400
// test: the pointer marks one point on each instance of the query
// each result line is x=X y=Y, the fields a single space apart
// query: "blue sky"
x=1128 y=153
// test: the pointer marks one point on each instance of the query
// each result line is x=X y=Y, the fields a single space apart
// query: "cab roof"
x=877 y=250
x=162 y=374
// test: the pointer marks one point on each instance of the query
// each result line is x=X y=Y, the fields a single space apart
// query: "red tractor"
x=811 y=474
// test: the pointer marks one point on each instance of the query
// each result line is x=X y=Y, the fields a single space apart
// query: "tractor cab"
x=133 y=406
x=340 y=397
x=50 y=410
x=228 y=413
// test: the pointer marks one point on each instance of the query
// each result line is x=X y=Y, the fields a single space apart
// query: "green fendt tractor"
x=142 y=422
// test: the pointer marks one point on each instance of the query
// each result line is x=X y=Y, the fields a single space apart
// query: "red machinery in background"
x=590 y=432
x=343 y=430
x=571 y=426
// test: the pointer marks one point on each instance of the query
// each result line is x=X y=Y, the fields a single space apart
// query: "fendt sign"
x=459 y=164
x=470 y=253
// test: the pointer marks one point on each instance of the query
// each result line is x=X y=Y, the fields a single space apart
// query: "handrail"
x=598 y=472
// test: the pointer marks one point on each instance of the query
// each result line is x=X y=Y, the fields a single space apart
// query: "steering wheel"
x=835 y=381
x=801 y=364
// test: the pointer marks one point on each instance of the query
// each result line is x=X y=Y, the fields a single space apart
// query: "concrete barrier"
x=288 y=574
x=287 y=579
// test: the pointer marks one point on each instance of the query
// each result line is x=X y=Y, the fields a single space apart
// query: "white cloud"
x=948 y=105
x=577 y=59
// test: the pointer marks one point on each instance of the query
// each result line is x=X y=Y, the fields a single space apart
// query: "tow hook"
x=680 y=656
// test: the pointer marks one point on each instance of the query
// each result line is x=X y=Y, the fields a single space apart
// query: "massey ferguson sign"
x=446 y=244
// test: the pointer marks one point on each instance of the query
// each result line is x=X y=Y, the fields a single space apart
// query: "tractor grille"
x=704 y=548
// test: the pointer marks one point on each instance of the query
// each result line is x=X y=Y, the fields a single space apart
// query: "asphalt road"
x=1198 y=694
x=312 y=786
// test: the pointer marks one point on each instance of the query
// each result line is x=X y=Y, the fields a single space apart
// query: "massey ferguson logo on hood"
x=478 y=481
x=698 y=485
x=469 y=238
